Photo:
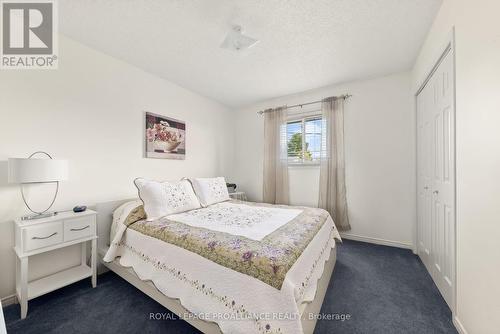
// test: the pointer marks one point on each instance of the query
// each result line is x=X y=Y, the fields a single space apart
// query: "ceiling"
x=304 y=44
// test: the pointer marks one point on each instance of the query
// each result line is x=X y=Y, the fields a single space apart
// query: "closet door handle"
x=79 y=229
x=436 y=192
x=41 y=238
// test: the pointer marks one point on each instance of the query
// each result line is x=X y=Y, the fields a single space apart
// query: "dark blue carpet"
x=377 y=289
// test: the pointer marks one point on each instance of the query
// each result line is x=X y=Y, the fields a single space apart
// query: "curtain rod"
x=344 y=96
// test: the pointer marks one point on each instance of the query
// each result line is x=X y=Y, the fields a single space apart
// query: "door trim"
x=448 y=47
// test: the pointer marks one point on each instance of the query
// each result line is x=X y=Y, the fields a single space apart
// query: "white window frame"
x=303 y=119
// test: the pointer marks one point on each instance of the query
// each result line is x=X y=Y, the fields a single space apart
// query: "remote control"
x=79 y=208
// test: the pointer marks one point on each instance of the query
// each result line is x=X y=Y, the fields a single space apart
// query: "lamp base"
x=39 y=216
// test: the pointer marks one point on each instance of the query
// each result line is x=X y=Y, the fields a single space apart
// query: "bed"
x=232 y=267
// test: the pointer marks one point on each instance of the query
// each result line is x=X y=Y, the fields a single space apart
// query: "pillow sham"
x=165 y=198
x=210 y=190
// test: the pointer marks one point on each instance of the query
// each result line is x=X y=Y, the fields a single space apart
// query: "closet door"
x=424 y=176
x=436 y=177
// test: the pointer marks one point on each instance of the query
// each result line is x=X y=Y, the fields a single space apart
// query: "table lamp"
x=33 y=170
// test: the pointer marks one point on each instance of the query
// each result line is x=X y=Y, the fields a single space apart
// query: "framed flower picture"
x=165 y=137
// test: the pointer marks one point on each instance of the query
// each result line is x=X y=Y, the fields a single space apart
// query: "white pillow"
x=210 y=190
x=165 y=198
x=121 y=213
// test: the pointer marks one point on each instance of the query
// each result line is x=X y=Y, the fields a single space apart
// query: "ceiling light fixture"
x=236 y=41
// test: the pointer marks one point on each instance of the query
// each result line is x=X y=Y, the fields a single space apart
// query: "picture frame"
x=164 y=137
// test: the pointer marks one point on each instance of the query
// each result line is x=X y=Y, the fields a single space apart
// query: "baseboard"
x=458 y=325
x=9 y=300
x=376 y=241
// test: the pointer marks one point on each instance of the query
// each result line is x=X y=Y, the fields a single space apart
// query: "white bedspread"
x=218 y=294
x=238 y=219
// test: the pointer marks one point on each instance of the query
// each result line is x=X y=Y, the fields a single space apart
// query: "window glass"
x=304 y=140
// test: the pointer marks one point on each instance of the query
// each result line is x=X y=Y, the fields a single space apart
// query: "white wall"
x=380 y=156
x=477 y=36
x=90 y=111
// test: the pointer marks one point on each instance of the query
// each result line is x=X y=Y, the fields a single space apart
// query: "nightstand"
x=47 y=234
x=239 y=195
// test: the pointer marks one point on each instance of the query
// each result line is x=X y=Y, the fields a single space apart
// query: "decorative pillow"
x=210 y=190
x=165 y=198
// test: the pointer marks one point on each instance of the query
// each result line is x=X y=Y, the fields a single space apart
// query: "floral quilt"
x=267 y=260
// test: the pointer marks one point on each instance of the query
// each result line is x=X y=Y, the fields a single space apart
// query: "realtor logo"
x=29 y=34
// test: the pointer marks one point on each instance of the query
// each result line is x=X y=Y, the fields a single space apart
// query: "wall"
x=477 y=37
x=90 y=111
x=380 y=157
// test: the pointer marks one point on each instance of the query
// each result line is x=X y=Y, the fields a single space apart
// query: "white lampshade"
x=22 y=170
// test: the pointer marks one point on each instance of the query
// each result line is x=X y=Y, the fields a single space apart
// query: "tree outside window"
x=304 y=140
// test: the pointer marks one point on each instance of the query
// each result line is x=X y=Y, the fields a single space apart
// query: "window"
x=304 y=140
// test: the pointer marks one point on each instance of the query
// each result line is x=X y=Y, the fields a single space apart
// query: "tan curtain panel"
x=275 y=157
x=332 y=190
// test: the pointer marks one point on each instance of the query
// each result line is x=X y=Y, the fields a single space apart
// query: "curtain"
x=275 y=156
x=332 y=190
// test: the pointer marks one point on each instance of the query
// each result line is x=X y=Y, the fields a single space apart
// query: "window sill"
x=300 y=166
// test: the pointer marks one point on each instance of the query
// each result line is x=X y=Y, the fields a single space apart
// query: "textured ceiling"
x=303 y=44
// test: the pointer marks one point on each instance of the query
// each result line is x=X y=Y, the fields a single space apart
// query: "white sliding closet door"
x=436 y=177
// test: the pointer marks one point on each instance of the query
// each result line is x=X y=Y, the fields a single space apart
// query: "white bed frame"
x=104 y=220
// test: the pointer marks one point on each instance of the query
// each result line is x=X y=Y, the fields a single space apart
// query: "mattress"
x=238 y=300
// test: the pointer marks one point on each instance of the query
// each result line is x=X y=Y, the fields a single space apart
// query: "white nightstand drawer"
x=43 y=235
x=79 y=228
